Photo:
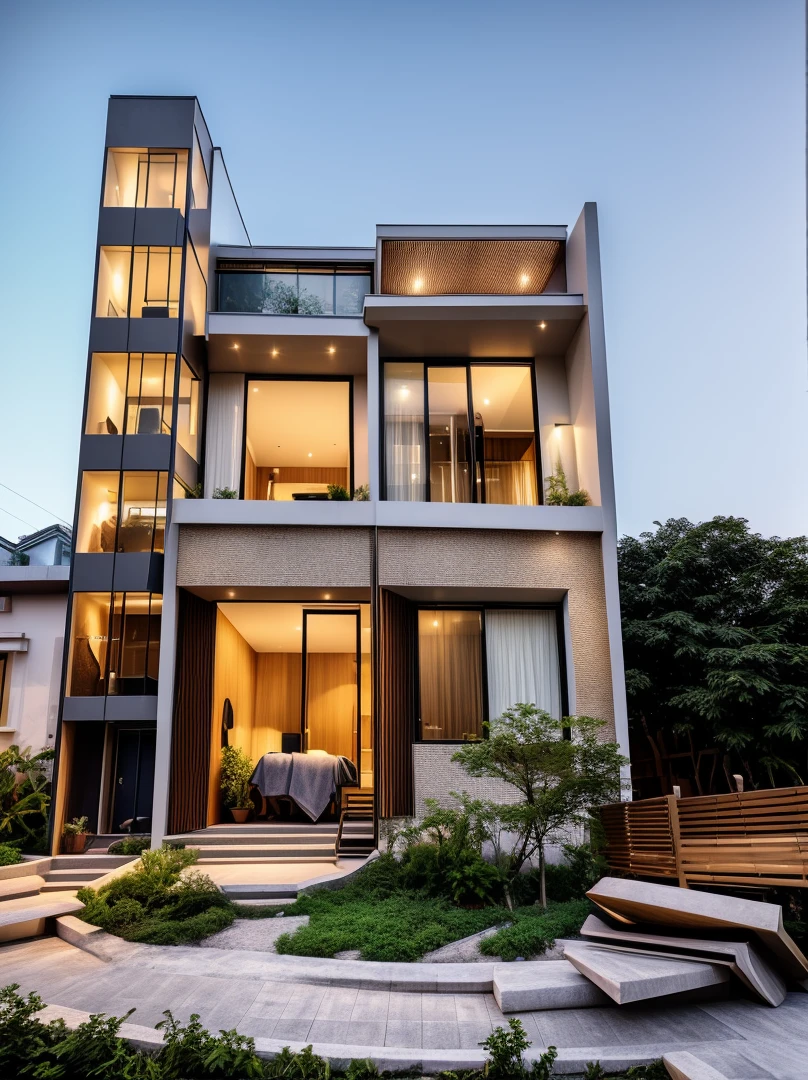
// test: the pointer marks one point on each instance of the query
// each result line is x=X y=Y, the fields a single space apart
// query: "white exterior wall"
x=33 y=693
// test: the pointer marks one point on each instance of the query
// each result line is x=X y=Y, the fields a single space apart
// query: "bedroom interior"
x=280 y=663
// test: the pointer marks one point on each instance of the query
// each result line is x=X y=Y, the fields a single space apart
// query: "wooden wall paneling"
x=277 y=700
x=234 y=678
x=190 y=739
x=66 y=744
x=331 y=703
x=398 y=643
x=251 y=490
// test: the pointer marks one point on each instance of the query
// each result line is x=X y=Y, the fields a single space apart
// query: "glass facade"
x=122 y=512
x=292 y=290
x=451 y=675
x=467 y=426
x=131 y=394
x=146 y=178
x=138 y=283
x=114 y=644
x=189 y=430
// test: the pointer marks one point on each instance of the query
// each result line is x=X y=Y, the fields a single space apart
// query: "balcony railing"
x=257 y=288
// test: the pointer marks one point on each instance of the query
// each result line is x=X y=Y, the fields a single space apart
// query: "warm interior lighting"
x=525 y=279
x=274 y=352
x=332 y=349
x=542 y=326
x=310 y=454
x=231 y=593
x=298 y=628
x=327 y=596
x=434 y=622
x=236 y=346
x=405 y=391
x=486 y=401
x=413 y=476
x=418 y=283
x=255 y=389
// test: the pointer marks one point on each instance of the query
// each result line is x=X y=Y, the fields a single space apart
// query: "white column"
x=374 y=421
x=165 y=689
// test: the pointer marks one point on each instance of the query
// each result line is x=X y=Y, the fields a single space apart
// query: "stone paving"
x=746 y=1040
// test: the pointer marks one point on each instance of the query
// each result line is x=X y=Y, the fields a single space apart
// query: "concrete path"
x=744 y=1040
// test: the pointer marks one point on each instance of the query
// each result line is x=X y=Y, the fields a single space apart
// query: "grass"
x=384 y=921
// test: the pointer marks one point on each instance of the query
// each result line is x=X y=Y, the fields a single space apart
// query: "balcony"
x=267 y=288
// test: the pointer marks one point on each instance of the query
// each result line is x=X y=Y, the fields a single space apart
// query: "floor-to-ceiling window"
x=461 y=431
x=476 y=662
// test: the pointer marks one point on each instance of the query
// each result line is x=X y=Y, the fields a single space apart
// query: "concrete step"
x=263 y=827
x=13 y=888
x=101 y=864
x=207 y=860
x=74 y=874
x=303 y=852
x=250 y=839
x=27 y=916
x=266 y=893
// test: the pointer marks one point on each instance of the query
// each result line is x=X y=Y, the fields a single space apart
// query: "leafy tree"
x=715 y=629
x=562 y=769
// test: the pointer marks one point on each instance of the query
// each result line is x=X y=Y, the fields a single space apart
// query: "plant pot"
x=73 y=843
x=240 y=814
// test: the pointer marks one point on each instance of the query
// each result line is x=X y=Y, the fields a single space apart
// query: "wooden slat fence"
x=745 y=838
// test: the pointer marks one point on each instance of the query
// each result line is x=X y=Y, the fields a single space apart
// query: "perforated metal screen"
x=481 y=267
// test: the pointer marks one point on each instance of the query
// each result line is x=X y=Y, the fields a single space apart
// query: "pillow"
x=111 y=426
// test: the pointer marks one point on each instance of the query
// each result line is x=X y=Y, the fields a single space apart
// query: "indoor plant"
x=235 y=782
x=74 y=835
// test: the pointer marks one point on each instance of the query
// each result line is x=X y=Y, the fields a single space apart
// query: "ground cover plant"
x=95 y=1049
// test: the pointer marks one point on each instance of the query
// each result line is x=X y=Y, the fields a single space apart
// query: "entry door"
x=134 y=778
x=332 y=683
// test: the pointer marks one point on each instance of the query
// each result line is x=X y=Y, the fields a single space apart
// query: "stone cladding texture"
x=277 y=556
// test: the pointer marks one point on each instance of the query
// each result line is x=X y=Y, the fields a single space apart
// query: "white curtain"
x=225 y=433
x=404 y=449
x=522 y=660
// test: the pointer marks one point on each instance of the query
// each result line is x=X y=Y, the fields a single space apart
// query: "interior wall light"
x=560 y=427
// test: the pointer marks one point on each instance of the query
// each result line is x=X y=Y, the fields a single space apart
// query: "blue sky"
x=683 y=120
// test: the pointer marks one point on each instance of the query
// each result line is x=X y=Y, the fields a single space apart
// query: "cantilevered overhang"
x=474 y=326
x=33 y=580
x=285 y=344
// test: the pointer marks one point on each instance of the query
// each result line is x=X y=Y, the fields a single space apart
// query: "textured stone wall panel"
x=436 y=775
x=279 y=556
x=455 y=558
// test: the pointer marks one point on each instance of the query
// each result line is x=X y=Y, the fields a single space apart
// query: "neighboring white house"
x=34 y=576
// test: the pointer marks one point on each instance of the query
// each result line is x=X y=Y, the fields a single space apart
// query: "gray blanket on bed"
x=310 y=779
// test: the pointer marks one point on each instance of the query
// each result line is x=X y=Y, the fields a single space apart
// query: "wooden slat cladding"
x=457 y=267
x=742 y=838
x=190 y=743
x=396 y=699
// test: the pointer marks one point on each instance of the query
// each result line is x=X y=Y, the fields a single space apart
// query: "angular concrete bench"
x=543 y=984
x=15 y=887
x=630 y=976
x=27 y=915
x=683 y=1065
x=665 y=905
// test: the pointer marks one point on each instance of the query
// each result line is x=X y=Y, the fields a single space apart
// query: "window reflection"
x=130 y=393
x=140 y=282
x=290 y=290
x=114 y=644
x=146 y=178
x=122 y=512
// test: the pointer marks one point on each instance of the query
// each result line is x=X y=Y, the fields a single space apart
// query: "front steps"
x=68 y=873
x=262 y=842
x=29 y=916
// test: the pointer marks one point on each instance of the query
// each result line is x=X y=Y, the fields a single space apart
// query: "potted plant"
x=74 y=835
x=237 y=769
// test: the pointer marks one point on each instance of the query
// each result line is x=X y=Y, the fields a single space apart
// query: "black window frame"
x=248 y=378
x=558 y=608
x=122 y=474
x=108 y=668
x=296 y=267
x=468 y=363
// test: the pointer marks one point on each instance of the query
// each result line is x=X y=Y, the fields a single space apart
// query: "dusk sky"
x=683 y=119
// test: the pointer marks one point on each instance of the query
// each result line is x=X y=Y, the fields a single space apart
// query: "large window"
x=189 y=431
x=460 y=432
x=147 y=178
x=114 y=644
x=474 y=663
x=140 y=282
x=132 y=394
x=298 y=438
x=122 y=512
x=270 y=289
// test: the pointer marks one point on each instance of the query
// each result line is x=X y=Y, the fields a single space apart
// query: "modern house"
x=34 y=574
x=218 y=593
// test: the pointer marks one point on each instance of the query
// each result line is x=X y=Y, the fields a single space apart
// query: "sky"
x=684 y=120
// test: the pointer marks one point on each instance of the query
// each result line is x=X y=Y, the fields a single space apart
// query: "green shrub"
x=234 y=781
x=24 y=798
x=338 y=493
x=131 y=845
x=155 y=904
x=9 y=855
x=579 y=870
x=534 y=930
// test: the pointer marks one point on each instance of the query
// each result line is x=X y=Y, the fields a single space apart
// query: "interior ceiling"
x=501 y=395
x=476 y=338
x=278 y=628
x=454 y=267
x=298 y=423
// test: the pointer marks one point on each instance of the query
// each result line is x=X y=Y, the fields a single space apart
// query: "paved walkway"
x=744 y=1040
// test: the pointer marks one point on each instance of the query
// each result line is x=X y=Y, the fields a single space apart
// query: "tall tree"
x=715 y=630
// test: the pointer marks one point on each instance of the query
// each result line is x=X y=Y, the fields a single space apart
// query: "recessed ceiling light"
x=274 y=352
x=236 y=346
x=434 y=622
x=298 y=628
x=310 y=454
x=525 y=279
x=327 y=596
x=255 y=389
x=486 y=401
x=542 y=326
x=332 y=349
x=418 y=283
x=231 y=593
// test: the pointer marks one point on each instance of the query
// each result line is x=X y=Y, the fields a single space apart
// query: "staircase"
x=355 y=834
x=25 y=912
x=70 y=872
x=262 y=842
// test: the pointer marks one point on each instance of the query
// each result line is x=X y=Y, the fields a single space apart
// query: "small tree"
x=560 y=767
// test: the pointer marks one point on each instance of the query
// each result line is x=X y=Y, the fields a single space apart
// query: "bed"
x=311 y=780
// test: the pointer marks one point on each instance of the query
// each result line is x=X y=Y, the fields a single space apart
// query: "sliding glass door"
x=461 y=431
x=331 y=683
